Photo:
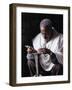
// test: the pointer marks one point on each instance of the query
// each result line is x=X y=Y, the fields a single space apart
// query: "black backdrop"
x=30 y=28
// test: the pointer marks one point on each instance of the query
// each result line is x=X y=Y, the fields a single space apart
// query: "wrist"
x=51 y=53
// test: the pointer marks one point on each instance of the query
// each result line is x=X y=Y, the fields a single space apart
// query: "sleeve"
x=57 y=56
x=59 y=52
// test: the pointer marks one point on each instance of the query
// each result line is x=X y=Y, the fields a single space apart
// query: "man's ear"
x=53 y=28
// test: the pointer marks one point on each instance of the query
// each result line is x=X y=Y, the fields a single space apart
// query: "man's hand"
x=44 y=50
x=31 y=50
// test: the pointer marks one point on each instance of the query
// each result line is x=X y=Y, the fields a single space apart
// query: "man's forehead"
x=42 y=28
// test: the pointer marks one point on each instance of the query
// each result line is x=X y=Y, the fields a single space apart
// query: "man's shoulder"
x=60 y=36
x=37 y=37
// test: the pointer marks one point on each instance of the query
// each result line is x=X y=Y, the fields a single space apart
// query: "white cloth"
x=55 y=45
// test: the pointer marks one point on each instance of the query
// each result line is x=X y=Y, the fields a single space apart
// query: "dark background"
x=30 y=28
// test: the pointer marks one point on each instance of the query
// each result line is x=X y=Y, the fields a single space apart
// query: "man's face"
x=45 y=32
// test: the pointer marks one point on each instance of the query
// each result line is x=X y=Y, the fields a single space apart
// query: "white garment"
x=55 y=45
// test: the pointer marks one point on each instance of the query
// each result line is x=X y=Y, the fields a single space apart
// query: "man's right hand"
x=31 y=50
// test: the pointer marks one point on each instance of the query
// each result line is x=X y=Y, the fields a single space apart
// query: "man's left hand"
x=44 y=50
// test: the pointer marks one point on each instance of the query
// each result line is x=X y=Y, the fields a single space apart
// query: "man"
x=48 y=45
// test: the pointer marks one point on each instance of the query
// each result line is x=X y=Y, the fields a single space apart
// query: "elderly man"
x=48 y=45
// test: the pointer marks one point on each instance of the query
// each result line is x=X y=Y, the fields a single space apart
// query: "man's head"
x=46 y=28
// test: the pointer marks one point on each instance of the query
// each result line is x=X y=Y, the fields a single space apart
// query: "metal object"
x=36 y=63
x=27 y=46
